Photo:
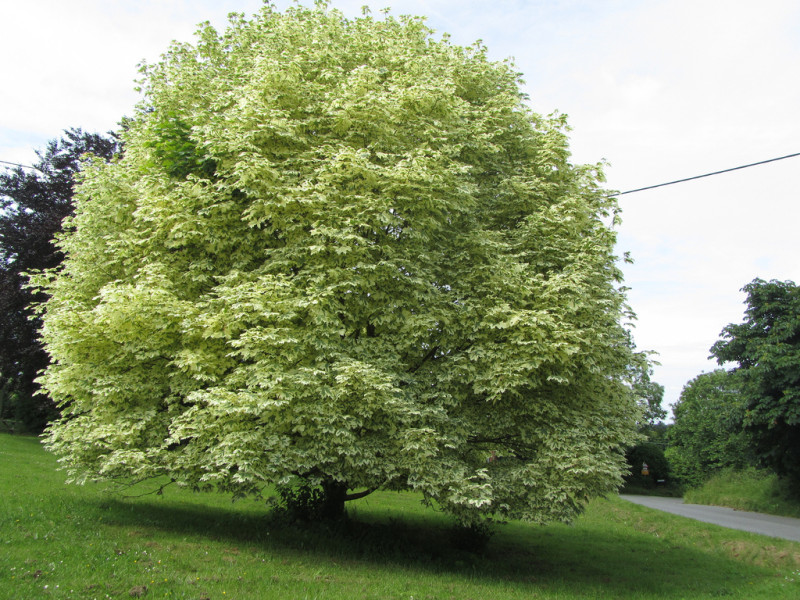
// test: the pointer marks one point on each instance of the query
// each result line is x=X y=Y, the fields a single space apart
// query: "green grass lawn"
x=79 y=542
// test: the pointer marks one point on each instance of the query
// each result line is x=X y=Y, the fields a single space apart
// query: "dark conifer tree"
x=33 y=203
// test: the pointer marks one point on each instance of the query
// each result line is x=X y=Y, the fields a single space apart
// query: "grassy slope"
x=757 y=491
x=61 y=541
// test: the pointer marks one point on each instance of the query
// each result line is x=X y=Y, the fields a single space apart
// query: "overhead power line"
x=761 y=162
x=641 y=189
x=5 y=162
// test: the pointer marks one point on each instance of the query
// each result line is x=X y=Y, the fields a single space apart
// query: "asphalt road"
x=779 y=527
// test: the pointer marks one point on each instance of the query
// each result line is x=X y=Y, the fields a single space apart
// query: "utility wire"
x=641 y=189
x=762 y=162
x=5 y=162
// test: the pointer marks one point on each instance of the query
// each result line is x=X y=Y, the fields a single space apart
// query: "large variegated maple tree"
x=345 y=251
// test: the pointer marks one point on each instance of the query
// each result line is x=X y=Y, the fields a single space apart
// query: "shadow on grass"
x=585 y=560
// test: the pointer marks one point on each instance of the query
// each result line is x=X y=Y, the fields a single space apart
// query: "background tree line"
x=750 y=413
x=747 y=415
x=33 y=204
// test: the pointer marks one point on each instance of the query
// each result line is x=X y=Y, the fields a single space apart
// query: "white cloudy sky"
x=661 y=89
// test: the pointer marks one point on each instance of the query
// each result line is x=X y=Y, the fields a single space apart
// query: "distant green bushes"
x=707 y=435
x=658 y=468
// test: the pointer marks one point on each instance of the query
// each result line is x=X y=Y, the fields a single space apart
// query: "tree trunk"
x=335 y=494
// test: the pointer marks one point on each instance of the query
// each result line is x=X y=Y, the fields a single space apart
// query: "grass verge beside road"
x=750 y=489
x=82 y=542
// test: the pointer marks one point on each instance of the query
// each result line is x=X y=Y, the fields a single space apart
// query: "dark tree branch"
x=358 y=495
x=431 y=353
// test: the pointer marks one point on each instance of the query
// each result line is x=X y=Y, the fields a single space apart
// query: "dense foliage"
x=344 y=251
x=766 y=347
x=33 y=204
x=650 y=396
x=658 y=467
x=707 y=434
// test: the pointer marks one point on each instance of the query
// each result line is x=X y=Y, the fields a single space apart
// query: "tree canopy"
x=32 y=206
x=707 y=434
x=343 y=250
x=650 y=396
x=766 y=347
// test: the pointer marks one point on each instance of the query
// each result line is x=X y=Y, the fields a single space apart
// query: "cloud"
x=75 y=63
x=674 y=89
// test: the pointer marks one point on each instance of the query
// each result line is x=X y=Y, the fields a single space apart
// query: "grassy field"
x=750 y=489
x=76 y=542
